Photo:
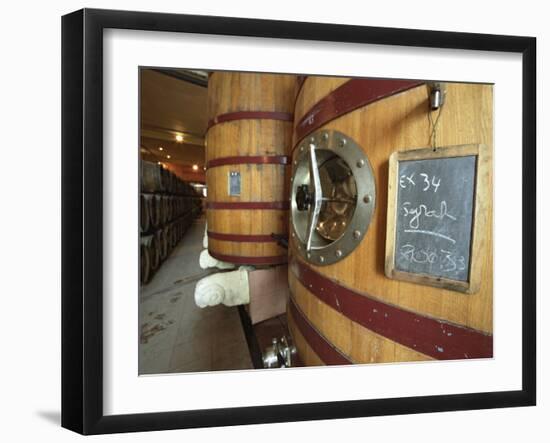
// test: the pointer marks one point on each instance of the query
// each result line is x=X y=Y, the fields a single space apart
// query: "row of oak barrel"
x=156 y=210
x=156 y=178
x=156 y=247
x=168 y=206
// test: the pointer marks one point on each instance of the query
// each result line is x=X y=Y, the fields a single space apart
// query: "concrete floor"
x=175 y=334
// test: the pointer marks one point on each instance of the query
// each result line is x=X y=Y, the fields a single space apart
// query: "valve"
x=280 y=354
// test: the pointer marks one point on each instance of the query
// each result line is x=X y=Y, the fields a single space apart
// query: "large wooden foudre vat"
x=345 y=306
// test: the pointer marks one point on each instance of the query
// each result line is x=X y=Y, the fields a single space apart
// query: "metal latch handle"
x=317 y=195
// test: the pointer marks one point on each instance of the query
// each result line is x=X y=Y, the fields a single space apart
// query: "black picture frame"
x=82 y=218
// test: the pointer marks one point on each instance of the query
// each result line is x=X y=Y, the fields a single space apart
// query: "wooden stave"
x=351 y=338
x=279 y=89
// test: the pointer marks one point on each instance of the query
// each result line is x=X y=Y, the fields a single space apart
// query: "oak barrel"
x=150 y=242
x=153 y=177
x=350 y=311
x=144 y=217
x=144 y=261
x=247 y=147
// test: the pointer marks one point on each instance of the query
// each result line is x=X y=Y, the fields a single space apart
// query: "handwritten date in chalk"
x=443 y=260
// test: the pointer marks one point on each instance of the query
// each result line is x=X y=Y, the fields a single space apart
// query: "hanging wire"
x=433 y=134
x=433 y=125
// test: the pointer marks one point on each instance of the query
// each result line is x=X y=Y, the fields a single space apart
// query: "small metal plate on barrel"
x=234 y=183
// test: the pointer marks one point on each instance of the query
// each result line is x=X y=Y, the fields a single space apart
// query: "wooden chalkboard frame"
x=482 y=200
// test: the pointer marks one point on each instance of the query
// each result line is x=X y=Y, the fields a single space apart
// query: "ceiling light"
x=179 y=138
x=168 y=156
x=161 y=148
x=195 y=167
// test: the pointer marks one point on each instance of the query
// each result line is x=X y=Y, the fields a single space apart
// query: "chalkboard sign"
x=432 y=203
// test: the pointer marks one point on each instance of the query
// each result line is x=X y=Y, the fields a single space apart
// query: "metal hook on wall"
x=437 y=95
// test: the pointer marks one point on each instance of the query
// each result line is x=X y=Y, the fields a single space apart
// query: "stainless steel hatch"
x=332 y=197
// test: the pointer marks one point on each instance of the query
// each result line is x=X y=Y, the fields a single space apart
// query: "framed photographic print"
x=254 y=203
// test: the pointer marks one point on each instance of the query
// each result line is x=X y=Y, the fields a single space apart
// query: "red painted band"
x=250 y=115
x=241 y=238
x=353 y=94
x=436 y=338
x=301 y=80
x=248 y=205
x=241 y=260
x=320 y=345
x=250 y=160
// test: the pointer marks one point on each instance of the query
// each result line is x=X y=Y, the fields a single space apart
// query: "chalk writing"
x=443 y=260
x=418 y=211
x=434 y=216
x=435 y=234
x=426 y=181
